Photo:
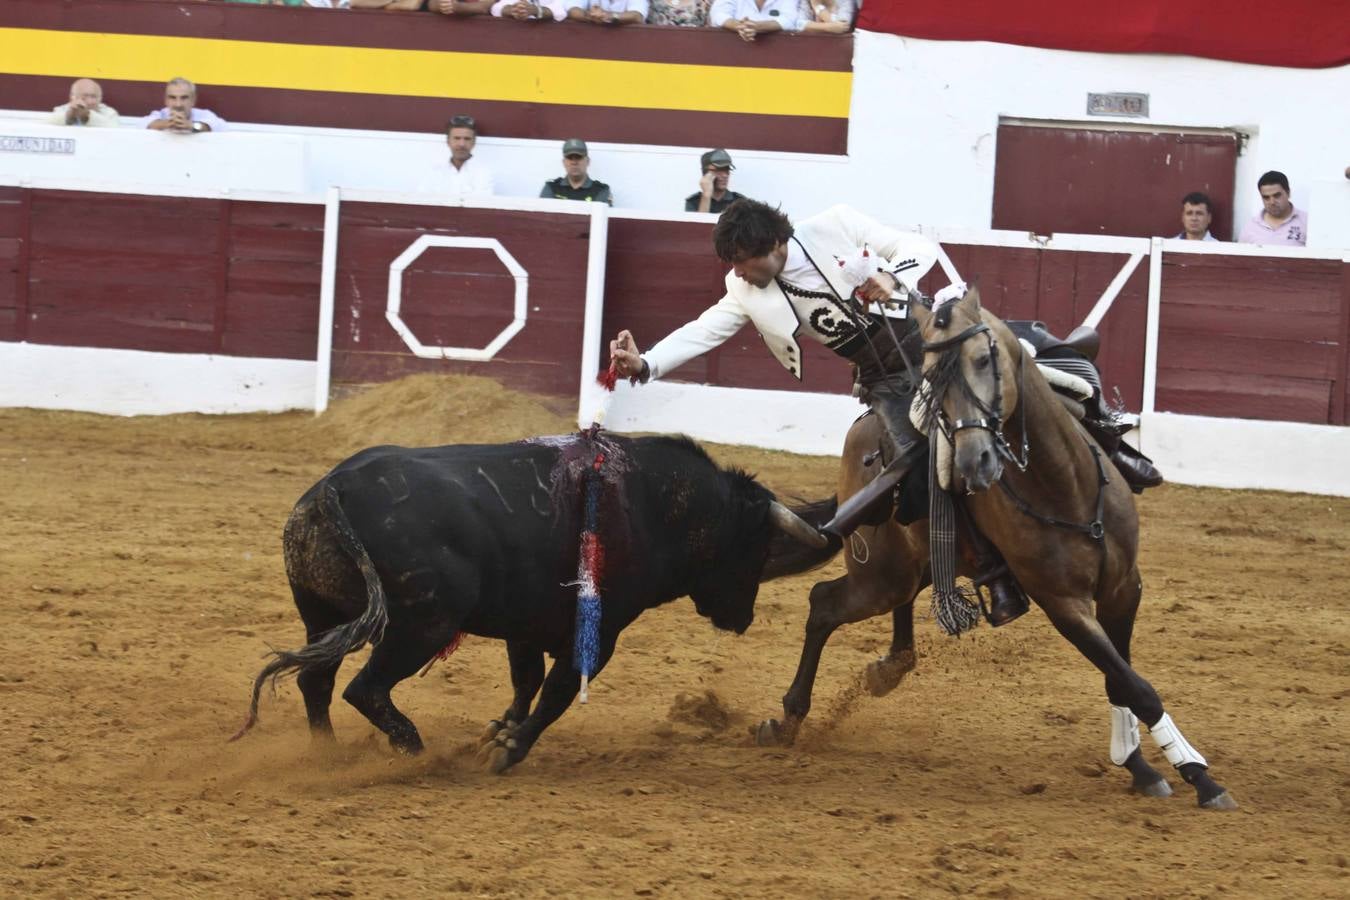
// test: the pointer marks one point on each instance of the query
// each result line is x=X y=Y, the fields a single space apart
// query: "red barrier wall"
x=461 y=298
x=155 y=273
x=1254 y=338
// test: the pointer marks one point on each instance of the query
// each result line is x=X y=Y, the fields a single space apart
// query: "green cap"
x=574 y=145
x=715 y=159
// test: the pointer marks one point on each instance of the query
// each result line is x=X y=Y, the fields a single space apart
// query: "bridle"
x=992 y=422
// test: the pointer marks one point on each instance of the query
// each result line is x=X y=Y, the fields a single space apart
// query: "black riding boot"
x=1136 y=468
x=1007 y=600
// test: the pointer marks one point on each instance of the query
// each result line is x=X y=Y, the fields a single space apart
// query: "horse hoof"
x=1159 y=788
x=1223 y=802
x=773 y=734
x=885 y=674
x=490 y=732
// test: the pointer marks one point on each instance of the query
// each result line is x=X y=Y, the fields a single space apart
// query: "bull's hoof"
x=497 y=760
x=772 y=733
x=495 y=727
x=1223 y=802
x=1159 y=788
x=885 y=674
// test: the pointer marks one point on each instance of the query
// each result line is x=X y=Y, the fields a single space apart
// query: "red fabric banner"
x=1295 y=33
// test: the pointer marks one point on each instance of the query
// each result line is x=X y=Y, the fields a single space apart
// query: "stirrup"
x=1007 y=600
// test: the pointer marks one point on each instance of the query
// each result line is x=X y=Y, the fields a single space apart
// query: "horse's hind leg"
x=1116 y=615
x=1088 y=635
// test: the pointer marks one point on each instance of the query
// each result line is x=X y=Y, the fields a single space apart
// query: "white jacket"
x=838 y=232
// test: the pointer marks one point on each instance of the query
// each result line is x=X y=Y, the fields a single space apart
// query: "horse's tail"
x=330 y=647
x=789 y=556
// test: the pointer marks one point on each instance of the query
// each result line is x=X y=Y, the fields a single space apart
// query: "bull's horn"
x=794 y=526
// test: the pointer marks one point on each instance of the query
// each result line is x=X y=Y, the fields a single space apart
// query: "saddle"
x=1083 y=341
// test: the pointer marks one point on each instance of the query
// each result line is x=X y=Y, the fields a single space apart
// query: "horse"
x=1068 y=531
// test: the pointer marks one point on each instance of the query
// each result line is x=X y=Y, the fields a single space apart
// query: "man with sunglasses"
x=576 y=184
x=465 y=177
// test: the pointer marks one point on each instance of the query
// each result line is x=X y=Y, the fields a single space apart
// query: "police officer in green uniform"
x=713 y=194
x=576 y=184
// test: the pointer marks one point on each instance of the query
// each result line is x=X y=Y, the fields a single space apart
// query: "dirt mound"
x=704 y=709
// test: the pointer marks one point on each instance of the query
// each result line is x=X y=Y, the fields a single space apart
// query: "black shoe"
x=1136 y=468
x=1007 y=601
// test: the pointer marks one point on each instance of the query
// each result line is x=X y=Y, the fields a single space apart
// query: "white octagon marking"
x=416 y=249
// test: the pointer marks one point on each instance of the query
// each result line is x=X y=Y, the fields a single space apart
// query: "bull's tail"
x=336 y=643
x=789 y=556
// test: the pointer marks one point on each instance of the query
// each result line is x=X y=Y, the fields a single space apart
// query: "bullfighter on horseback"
x=845 y=280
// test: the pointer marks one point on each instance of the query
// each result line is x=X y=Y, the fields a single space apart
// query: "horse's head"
x=970 y=386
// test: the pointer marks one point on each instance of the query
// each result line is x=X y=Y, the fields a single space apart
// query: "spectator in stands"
x=86 y=107
x=684 y=13
x=181 y=114
x=1278 y=223
x=526 y=10
x=714 y=193
x=464 y=177
x=460 y=7
x=577 y=184
x=391 y=5
x=1196 y=214
x=607 y=12
x=751 y=18
x=827 y=16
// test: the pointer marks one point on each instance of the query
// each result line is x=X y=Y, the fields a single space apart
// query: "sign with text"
x=13 y=143
x=1118 y=104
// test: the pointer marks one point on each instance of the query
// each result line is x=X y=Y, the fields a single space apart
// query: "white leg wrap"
x=1173 y=745
x=1124 y=734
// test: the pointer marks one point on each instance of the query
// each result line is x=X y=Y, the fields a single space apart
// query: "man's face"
x=179 y=98
x=761 y=270
x=86 y=93
x=1276 y=200
x=576 y=165
x=721 y=178
x=461 y=141
x=1195 y=219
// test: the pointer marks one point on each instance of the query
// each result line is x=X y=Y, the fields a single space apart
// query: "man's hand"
x=878 y=288
x=705 y=184
x=598 y=15
x=78 y=112
x=179 y=120
x=747 y=31
x=624 y=355
x=445 y=7
x=522 y=9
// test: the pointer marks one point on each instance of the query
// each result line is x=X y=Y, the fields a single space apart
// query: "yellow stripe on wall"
x=426 y=73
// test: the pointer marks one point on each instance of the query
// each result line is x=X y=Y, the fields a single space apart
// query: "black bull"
x=407 y=548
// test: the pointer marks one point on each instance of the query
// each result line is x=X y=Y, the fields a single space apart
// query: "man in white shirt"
x=86 y=107
x=464 y=177
x=607 y=12
x=181 y=114
x=751 y=18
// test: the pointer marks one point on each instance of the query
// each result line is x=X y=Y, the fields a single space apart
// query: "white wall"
x=922 y=133
x=136 y=382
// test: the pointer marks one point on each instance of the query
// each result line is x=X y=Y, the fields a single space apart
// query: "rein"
x=992 y=422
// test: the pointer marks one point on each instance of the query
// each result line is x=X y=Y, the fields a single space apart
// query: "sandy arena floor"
x=142 y=577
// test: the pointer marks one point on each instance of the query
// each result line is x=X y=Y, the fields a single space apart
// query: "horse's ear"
x=972 y=301
x=920 y=313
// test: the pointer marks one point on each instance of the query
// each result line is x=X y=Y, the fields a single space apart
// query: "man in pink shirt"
x=1278 y=224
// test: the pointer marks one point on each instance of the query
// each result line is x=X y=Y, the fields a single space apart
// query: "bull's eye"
x=982 y=362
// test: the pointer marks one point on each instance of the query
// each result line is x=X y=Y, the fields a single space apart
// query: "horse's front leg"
x=863 y=593
x=1072 y=620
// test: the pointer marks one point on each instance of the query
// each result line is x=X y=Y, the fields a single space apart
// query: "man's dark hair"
x=462 y=122
x=748 y=228
x=1195 y=198
x=1273 y=177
